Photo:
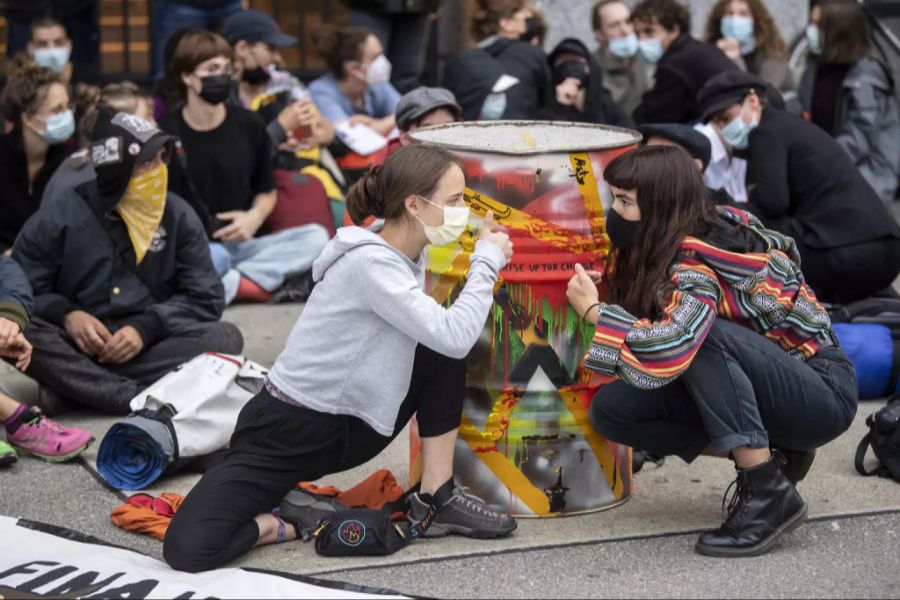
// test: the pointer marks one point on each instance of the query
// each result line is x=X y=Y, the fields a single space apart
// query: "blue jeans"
x=268 y=260
x=404 y=38
x=741 y=391
x=170 y=15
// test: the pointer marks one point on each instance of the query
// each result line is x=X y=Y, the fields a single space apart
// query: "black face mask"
x=621 y=231
x=215 y=89
x=256 y=76
x=570 y=68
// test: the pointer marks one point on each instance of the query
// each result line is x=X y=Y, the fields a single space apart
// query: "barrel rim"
x=635 y=135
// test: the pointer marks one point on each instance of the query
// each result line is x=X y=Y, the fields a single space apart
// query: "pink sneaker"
x=47 y=439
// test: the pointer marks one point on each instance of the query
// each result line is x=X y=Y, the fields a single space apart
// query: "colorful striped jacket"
x=764 y=291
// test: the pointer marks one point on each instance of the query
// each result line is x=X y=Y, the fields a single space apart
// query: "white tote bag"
x=206 y=395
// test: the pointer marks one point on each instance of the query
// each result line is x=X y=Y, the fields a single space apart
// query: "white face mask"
x=455 y=220
x=379 y=71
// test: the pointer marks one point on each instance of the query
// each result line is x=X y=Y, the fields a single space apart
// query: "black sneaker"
x=296 y=288
x=304 y=511
x=454 y=510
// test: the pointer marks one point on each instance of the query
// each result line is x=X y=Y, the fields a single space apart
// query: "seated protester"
x=579 y=92
x=236 y=187
x=702 y=354
x=724 y=171
x=51 y=47
x=691 y=141
x=124 y=287
x=166 y=98
x=27 y=429
x=499 y=25
x=850 y=94
x=423 y=107
x=279 y=97
x=625 y=72
x=357 y=87
x=683 y=64
x=77 y=168
x=802 y=184
x=319 y=414
x=36 y=103
x=746 y=32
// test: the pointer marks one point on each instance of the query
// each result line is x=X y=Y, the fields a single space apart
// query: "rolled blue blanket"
x=135 y=452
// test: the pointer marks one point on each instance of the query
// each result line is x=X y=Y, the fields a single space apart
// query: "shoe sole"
x=7 y=460
x=760 y=548
x=301 y=499
x=437 y=530
x=51 y=458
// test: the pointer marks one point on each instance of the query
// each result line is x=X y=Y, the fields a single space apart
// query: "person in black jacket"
x=683 y=64
x=36 y=103
x=579 y=92
x=124 y=285
x=499 y=25
x=801 y=182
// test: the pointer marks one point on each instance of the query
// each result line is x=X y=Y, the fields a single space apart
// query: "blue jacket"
x=15 y=293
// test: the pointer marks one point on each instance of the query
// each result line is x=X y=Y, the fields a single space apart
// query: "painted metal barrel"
x=526 y=445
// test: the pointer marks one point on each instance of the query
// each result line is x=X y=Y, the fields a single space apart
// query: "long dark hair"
x=411 y=170
x=768 y=38
x=674 y=204
x=845 y=32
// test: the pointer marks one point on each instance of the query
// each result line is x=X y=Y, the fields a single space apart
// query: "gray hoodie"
x=351 y=352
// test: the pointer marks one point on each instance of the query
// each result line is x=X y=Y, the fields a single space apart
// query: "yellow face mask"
x=142 y=207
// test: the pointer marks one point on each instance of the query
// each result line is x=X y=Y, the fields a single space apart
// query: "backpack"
x=869 y=332
x=884 y=438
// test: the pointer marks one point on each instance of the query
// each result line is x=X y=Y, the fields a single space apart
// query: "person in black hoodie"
x=500 y=26
x=683 y=64
x=802 y=183
x=124 y=285
x=579 y=92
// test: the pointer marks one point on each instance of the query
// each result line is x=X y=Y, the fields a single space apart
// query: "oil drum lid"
x=525 y=137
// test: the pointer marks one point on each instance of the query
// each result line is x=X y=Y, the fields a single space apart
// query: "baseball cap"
x=254 y=26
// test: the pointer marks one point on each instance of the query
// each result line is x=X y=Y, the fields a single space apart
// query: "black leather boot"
x=765 y=505
x=794 y=463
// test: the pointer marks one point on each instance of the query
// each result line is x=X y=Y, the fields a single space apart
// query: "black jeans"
x=741 y=390
x=276 y=445
x=58 y=364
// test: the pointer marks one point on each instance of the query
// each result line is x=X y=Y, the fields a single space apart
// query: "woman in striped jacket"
x=711 y=342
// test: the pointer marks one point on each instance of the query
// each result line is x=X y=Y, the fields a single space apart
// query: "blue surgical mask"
x=737 y=27
x=651 y=50
x=813 y=39
x=623 y=47
x=59 y=128
x=494 y=107
x=55 y=59
x=737 y=133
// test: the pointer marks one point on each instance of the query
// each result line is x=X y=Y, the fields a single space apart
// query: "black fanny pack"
x=362 y=532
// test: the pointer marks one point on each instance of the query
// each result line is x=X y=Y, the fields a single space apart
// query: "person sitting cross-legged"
x=124 y=285
x=27 y=429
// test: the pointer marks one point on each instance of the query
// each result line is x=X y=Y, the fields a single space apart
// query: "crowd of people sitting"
x=131 y=218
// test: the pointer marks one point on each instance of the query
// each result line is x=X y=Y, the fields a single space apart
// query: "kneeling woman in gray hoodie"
x=370 y=349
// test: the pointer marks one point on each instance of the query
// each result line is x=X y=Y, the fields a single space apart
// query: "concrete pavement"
x=643 y=548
